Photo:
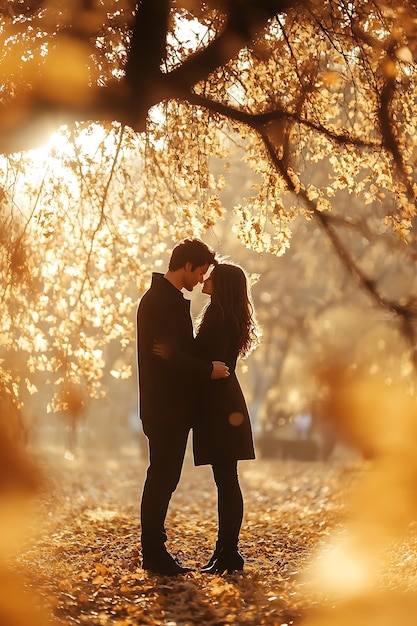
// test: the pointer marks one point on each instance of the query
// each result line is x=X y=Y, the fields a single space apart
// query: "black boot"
x=227 y=561
x=213 y=558
x=162 y=562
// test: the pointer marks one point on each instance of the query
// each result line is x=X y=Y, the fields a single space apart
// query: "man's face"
x=193 y=277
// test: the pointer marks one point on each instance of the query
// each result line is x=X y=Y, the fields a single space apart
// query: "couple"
x=187 y=382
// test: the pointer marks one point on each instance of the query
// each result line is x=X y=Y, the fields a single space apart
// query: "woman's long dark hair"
x=231 y=301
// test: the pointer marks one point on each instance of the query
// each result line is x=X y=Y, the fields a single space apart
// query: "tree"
x=318 y=96
x=304 y=81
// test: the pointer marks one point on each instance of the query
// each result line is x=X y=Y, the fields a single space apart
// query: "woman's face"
x=208 y=286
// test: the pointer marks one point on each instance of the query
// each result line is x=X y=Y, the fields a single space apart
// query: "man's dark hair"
x=191 y=251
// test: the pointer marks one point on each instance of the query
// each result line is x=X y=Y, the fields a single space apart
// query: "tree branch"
x=26 y=121
x=367 y=284
x=386 y=125
x=147 y=46
x=245 y=18
x=259 y=121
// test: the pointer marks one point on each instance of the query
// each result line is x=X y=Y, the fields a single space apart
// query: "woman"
x=222 y=433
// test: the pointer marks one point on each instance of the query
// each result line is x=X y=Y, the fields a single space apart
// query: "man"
x=167 y=390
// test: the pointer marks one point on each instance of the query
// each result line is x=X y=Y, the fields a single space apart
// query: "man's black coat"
x=168 y=387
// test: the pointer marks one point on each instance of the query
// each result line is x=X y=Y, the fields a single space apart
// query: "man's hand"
x=220 y=370
x=161 y=349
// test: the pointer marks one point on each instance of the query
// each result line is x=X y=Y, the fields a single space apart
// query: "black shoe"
x=213 y=558
x=226 y=562
x=163 y=564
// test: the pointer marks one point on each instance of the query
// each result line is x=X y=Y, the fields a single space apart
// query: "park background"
x=283 y=134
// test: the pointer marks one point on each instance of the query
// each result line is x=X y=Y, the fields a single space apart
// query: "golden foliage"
x=380 y=419
x=90 y=545
x=319 y=104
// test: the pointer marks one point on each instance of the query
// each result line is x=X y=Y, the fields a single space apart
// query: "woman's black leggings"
x=230 y=503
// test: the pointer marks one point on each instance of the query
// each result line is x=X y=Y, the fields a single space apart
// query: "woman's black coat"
x=222 y=428
x=167 y=387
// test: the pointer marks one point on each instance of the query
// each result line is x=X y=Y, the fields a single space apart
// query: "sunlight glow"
x=191 y=33
x=86 y=140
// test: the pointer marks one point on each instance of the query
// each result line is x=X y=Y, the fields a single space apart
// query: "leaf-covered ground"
x=85 y=560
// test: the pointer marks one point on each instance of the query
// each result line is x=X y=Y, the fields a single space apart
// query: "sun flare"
x=64 y=141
